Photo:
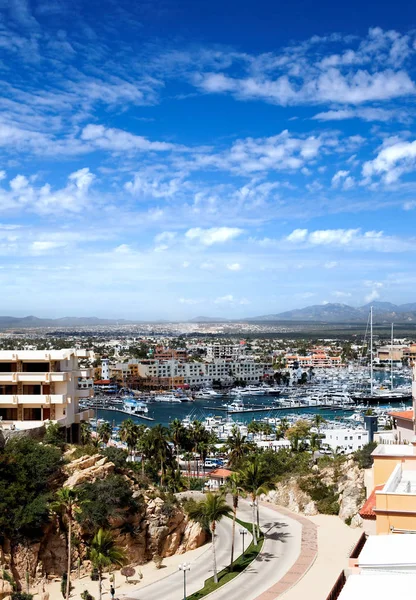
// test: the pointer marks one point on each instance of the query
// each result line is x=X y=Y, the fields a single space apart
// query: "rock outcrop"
x=88 y=469
x=348 y=480
x=158 y=527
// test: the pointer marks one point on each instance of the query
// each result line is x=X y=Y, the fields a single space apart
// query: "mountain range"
x=343 y=313
x=383 y=312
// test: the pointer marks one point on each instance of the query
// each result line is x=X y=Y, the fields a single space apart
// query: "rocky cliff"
x=344 y=481
x=159 y=527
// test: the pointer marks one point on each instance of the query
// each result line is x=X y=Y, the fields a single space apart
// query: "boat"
x=380 y=394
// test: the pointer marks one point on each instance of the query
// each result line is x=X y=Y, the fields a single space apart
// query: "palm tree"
x=104 y=432
x=142 y=444
x=103 y=553
x=66 y=504
x=177 y=433
x=128 y=434
x=318 y=420
x=159 y=447
x=198 y=435
x=234 y=488
x=237 y=446
x=85 y=433
x=255 y=480
x=209 y=512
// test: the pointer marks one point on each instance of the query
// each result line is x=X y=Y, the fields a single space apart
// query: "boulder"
x=99 y=470
x=193 y=537
x=5 y=589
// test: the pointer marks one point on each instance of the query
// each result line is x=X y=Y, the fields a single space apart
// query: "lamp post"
x=243 y=532
x=184 y=567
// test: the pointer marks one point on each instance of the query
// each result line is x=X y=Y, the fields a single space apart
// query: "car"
x=210 y=463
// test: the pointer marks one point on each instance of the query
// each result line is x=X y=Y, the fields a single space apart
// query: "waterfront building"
x=319 y=358
x=37 y=386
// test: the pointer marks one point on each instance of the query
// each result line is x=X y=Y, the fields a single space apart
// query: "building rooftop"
x=394 y=450
x=220 y=473
x=401 y=481
x=388 y=551
x=367 y=511
x=383 y=586
x=402 y=414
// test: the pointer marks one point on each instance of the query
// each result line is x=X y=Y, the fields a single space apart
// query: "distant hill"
x=383 y=312
x=31 y=321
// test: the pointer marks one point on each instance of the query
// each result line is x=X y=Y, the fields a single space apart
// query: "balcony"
x=16 y=399
x=46 y=377
x=85 y=392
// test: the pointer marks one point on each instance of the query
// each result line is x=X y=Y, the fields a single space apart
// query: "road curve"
x=171 y=587
x=281 y=548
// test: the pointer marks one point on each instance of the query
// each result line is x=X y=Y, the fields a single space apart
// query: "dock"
x=120 y=410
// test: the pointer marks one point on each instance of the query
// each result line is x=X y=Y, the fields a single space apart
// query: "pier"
x=126 y=412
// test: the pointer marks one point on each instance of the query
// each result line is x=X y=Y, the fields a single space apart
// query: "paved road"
x=171 y=587
x=281 y=549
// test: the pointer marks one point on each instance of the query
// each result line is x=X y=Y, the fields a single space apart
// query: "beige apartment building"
x=37 y=386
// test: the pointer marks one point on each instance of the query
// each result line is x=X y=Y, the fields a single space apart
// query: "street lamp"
x=184 y=567
x=243 y=532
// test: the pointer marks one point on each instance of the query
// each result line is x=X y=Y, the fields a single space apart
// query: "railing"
x=337 y=588
x=359 y=546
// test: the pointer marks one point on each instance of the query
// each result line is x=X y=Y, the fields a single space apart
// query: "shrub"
x=324 y=496
x=21 y=596
x=94 y=574
x=86 y=595
x=27 y=469
x=158 y=560
x=117 y=456
x=363 y=456
x=105 y=498
x=55 y=435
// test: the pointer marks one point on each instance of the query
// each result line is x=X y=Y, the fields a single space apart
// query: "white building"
x=38 y=386
x=200 y=373
x=230 y=351
x=345 y=440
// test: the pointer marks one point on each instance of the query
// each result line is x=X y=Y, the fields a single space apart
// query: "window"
x=8 y=414
x=32 y=414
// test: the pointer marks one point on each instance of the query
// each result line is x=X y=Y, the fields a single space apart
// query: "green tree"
x=129 y=434
x=208 y=513
x=298 y=434
x=237 y=446
x=66 y=504
x=160 y=449
x=142 y=444
x=177 y=433
x=104 y=432
x=255 y=480
x=104 y=553
x=234 y=488
x=85 y=433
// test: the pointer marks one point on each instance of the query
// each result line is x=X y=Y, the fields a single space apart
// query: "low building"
x=218 y=478
x=403 y=425
x=37 y=386
x=345 y=441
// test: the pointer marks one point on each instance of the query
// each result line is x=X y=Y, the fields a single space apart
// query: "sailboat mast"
x=371 y=350
x=391 y=358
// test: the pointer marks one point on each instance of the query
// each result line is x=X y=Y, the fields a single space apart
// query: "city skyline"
x=159 y=163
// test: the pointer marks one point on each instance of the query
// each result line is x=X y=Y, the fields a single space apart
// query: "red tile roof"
x=367 y=511
x=220 y=473
x=403 y=414
x=101 y=381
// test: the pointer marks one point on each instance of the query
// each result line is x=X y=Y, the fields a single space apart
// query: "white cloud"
x=117 y=140
x=234 y=267
x=331 y=264
x=224 y=299
x=339 y=294
x=372 y=296
x=410 y=205
x=393 y=160
x=122 y=249
x=366 y=114
x=73 y=198
x=190 y=301
x=165 y=236
x=297 y=235
x=215 y=235
x=44 y=246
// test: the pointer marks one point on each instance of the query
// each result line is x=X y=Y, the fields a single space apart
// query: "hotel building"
x=37 y=386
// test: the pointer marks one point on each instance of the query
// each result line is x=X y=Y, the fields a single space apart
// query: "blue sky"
x=175 y=158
